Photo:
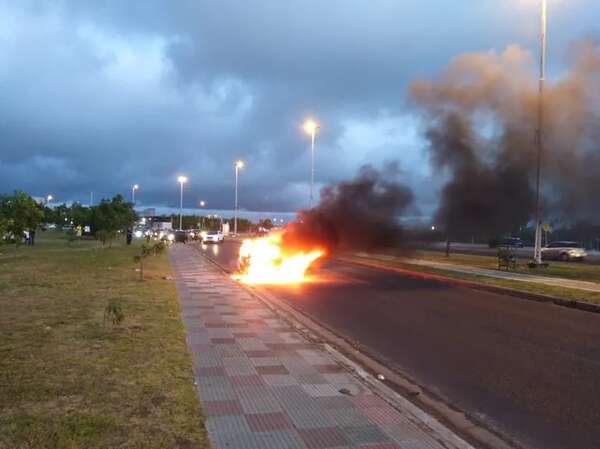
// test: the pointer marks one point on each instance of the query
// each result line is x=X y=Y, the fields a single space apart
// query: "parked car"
x=511 y=242
x=564 y=251
x=213 y=237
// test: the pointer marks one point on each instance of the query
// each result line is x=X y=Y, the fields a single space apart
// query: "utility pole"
x=537 y=255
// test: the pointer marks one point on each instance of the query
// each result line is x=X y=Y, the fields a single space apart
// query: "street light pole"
x=537 y=255
x=310 y=126
x=312 y=166
x=182 y=180
x=238 y=165
x=133 y=189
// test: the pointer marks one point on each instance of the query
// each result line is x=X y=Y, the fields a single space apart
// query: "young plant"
x=113 y=312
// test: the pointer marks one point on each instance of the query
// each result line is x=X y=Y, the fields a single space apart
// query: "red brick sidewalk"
x=261 y=385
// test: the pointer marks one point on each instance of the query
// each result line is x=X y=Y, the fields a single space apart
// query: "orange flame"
x=264 y=261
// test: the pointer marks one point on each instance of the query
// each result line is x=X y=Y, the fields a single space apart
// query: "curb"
x=530 y=296
x=397 y=389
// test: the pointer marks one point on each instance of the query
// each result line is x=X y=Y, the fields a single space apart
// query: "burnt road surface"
x=528 y=369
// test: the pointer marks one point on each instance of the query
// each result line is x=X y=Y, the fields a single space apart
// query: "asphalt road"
x=530 y=370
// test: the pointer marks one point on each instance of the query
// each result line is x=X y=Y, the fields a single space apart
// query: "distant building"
x=149 y=212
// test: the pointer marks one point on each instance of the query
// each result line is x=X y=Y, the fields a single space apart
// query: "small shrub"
x=114 y=312
x=148 y=250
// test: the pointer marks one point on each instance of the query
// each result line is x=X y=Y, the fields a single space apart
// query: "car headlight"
x=138 y=234
x=171 y=237
x=192 y=235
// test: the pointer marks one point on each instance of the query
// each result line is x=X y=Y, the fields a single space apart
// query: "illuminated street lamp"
x=182 y=180
x=201 y=204
x=133 y=189
x=238 y=165
x=311 y=127
x=537 y=252
x=48 y=199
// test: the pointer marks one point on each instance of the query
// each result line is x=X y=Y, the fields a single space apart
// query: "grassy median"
x=71 y=379
x=568 y=270
x=559 y=292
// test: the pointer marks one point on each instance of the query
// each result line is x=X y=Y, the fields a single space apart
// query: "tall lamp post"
x=48 y=199
x=311 y=127
x=182 y=180
x=201 y=204
x=133 y=189
x=537 y=254
x=238 y=165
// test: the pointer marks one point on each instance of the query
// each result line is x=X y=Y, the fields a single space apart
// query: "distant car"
x=511 y=242
x=181 y=236
x=213 y=237
x=564 y=251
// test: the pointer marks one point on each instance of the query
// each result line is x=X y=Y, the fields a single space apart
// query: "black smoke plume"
x=360 y=214
x=480 y=121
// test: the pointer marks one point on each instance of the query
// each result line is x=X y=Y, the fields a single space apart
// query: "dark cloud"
x=100 y=95
x=481 y=120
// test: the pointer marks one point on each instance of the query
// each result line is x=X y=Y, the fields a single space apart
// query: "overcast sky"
x=97 y=95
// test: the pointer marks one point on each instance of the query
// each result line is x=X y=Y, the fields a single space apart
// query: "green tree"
x=110 y=217
x=19 y=213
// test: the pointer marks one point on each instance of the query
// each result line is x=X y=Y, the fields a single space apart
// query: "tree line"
x=20 y=214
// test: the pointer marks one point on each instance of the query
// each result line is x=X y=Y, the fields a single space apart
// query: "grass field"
x=565 y=293
x=69 y=380
x=568 y=270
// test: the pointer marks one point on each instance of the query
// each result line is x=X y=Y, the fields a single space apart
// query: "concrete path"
x=545 y=280
x=262 y=385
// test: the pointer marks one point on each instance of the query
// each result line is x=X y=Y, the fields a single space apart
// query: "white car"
x=213 y=237
x=564 y=251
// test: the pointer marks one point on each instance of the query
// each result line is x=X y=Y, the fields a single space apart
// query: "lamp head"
x=310 y=126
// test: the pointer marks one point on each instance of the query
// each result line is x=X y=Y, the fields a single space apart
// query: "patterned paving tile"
x=260 y=353
x=222 y=408
x=326 y=437
x=321 y=390
x=329 y=368
x=273 y=369
x=249 y=380
x=266 y=422
x=280 y=380
x=345 y=417
x=262 y=386
x=365 y=434
x=209 y=371
x=218 y=341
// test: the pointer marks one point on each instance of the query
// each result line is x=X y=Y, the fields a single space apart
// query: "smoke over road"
x=480 y=120
x=354 y=215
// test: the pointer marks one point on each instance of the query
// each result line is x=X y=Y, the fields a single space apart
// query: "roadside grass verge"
x=567 y=270
x=68 y=379
x=530 y=287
